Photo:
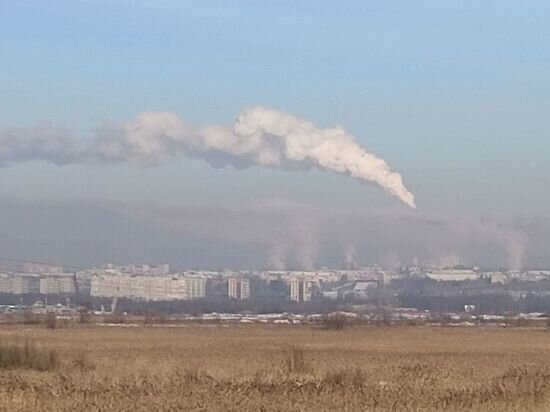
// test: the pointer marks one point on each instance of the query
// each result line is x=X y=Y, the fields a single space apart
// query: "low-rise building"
x=41 y=268
x=452 y=275
x=148 y=287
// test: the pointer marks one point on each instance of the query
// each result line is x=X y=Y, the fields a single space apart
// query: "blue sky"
x=455 y=95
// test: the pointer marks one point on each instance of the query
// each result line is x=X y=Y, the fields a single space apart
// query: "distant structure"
x=139 y=269
x=196 y=286
x=42 y=269
x=37 y=279
x=147 y=287
x=450 y=275
x=21 y=285
x=155 y=282
x=57 y=284
x=238 y=288
x=300 y=290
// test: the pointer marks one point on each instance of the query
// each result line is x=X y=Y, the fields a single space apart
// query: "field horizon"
x=277 y=368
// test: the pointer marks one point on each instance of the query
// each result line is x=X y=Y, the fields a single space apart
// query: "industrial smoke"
x=259 y=136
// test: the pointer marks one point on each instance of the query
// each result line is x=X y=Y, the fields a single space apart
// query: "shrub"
x=353 y=377
x=30 y=318
x=51 y=321
x=295 y=361
x=335 y=321
x=84 y=316
x=28 y=356
x=114 y=318
x=83 y=363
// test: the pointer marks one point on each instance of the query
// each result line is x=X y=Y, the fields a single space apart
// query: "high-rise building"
x=5 y=283
x=21 y=284
x=196 y=287
x=294 y=285
x=238 y=288
x=300 y=290
x=57 y=284
x=245 y=289
x=232 y=288
x=306 y=288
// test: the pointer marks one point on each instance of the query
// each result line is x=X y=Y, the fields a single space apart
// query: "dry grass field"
x=274 y=368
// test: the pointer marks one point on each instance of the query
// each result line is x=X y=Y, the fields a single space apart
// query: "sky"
x=452 y=95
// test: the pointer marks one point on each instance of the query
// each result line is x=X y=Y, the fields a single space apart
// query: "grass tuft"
x=27 y=356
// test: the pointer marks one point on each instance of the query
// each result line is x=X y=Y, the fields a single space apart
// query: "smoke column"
x=259 y=136
x=277 y=257
x=349 y=256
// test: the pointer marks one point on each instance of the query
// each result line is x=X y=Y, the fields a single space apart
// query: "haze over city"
x=294 y=135
x=274 y=205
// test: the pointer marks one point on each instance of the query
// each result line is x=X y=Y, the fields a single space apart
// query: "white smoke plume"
x=307 y=247
x=270 y=234
x=349 y=256
x=390 y=260
x=259 y=136
x=277 y=257
x=443 y=260
x=302 y=237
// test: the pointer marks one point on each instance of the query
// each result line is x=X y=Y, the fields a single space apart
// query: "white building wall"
x=307 y=288
x=294 y=285
x=5 y=283
x=148 y=287
x=245 y=289
x=238 y=288
x=196 y=287
x=232 y=288
x=453 y=275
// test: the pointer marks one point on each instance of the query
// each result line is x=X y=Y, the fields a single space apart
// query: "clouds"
x=258 y=137
x=305 y=236
x=272 y=234
x=45 y=142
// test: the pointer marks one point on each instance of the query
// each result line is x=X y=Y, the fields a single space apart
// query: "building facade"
x=300 y=290
x=146 y=287
x=238 y=288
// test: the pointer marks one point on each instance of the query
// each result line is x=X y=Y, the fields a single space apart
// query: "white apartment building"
x=453 y=275
x=57 y=284
x=196 y=286
x=5 y=283
x=238 y=288
x=245 y=289
x=145 y=287
x=41 y=268
x=139 y=269
x=300 y=290
x=23 y=284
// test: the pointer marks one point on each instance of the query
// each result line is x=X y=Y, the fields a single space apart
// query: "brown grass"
x=282 y=368
x=27 y=356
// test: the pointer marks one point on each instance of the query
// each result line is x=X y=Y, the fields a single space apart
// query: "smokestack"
x=259 y=136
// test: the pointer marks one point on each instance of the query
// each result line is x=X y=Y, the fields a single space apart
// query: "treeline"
x=484 y=303
x=29 y=299
x=219 y=305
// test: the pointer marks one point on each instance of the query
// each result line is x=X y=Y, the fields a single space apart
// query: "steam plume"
x=277 y=257
x=349 y=256
x=259 y=136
